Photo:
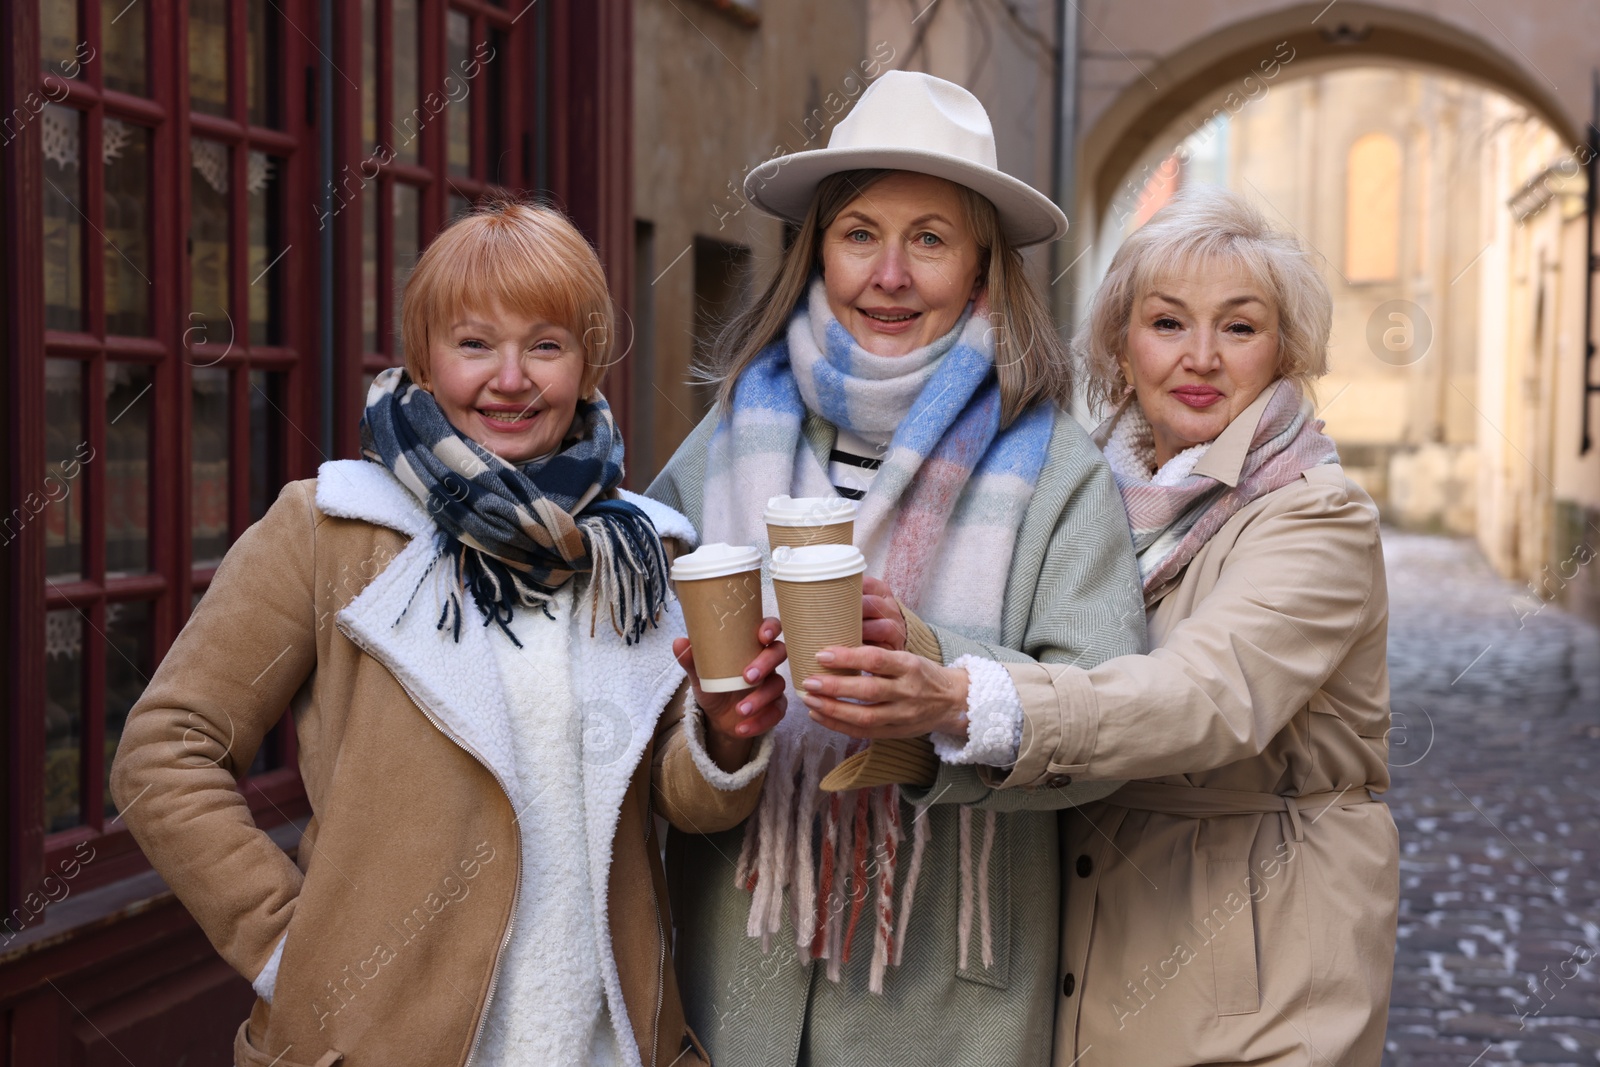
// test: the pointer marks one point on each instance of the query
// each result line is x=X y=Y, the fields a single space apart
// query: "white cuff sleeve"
x=994 y=717
x=268 y=978
x=726 y=781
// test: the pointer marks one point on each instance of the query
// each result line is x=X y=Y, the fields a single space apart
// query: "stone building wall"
x=719 y=87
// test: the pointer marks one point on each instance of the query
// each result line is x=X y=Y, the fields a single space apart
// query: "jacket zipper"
x=516 y=889
x=661 y=949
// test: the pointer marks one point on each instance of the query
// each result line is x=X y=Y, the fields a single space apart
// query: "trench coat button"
x=1059 y=781
x=1085 y=866
x=1068 y=984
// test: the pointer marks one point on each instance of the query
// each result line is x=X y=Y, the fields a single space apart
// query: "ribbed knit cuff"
x=267 y=980
x=726 y=781
x=994 y=717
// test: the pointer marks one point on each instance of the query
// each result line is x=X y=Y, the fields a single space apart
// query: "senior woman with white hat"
x=1236 y=903
x=901 y=357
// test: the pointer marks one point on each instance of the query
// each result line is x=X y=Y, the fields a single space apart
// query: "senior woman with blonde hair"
x=1236 y=903
x=902 y=357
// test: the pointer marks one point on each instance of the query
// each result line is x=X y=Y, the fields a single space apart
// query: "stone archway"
x=1149 y=62
x=1517 y=370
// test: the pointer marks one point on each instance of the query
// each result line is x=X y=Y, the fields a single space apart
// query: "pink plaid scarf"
x=1174 y=512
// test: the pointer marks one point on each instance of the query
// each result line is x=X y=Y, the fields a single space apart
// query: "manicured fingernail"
x=813 y=685
x=824 y=657
x=811 y=701
x=745 y=728
x=752 y=675
x=745 y=708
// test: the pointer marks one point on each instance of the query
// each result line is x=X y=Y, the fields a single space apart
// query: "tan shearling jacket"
x=401 y=901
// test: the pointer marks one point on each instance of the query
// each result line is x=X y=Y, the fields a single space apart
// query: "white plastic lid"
x=810 y=510
x=715 y=560
x=816 y=563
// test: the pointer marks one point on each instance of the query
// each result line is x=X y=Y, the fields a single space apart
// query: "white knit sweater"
x=550 y=1006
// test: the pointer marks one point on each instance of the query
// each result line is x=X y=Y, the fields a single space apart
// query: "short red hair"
x=528 y=258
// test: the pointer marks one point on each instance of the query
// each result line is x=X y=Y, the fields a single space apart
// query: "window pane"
x=209 y=466
x=129 y=634
x=66 y=450
x=126 y=151
x=261 y=65
x=1372 y=209
x=407 y=242
x=266 y=249
x=369 y=267
x=405 y=118
x=122 y=45
x=208 y=243
x=62 y=134
x=459 y=206
x=59 y=38
x=492 y=91
x=266 y=440
x=129 y=414
x=63 y=718
x=458 y=113
x=208 y=56
x=369 y=75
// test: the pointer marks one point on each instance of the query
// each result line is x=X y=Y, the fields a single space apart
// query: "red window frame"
x=368 y=174
x=172 y=353
x=565 y=134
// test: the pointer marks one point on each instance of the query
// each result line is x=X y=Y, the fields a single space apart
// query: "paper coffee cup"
x=720 y=588
x=819 y=603
x=810 y=520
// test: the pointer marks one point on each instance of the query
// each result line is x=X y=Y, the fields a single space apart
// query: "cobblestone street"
x=1496 y=758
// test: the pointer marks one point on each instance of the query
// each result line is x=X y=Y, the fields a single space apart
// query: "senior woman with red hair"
x=1236 y=903
x=471 y=628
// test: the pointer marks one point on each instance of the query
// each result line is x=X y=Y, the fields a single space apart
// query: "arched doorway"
x=1482 y=376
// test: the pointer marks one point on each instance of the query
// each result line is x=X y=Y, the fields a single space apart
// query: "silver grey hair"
x=1201 y=226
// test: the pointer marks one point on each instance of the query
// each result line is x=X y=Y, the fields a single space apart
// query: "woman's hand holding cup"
x=734 y=720
x=719 y=587
x=886 y=694
x=882 y=624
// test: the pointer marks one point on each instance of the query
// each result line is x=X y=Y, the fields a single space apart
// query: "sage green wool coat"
x=1072 y=596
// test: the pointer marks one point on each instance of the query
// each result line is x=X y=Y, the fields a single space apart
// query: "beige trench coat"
x=1237 y=902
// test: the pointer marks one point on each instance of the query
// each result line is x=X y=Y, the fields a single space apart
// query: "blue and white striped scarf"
x=939 y=524
x=940 y=521
x=514 y=534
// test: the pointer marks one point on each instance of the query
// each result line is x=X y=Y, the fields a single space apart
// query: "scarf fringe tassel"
x=830 y=855
x=627 y=562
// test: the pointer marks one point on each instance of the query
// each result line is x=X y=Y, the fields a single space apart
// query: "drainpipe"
x=325 y=251
x=1592 y=265
x=1066 y=161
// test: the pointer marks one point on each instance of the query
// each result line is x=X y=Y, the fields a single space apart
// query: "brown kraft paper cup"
x=837 y=533
x=719 y=587
x=816 y=615
x=797 y=522
x=722 y=615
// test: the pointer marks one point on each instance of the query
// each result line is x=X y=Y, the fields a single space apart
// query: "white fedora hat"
x=911 y=121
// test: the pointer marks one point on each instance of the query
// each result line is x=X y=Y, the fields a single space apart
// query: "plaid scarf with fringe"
x=514 y=534
x=939 y=524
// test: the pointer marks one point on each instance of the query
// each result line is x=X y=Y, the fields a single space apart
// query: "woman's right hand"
x=735 y=720
x=882 y=624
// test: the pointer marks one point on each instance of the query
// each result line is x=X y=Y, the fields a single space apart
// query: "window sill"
x=80 y=913
x=734 y=10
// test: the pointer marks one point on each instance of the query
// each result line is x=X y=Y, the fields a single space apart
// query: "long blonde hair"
x=1029 y=356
